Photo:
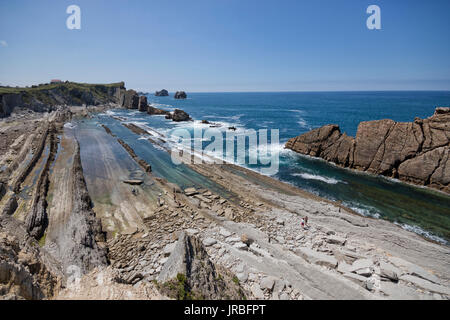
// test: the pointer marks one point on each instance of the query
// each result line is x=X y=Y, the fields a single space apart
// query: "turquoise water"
x=418 y=209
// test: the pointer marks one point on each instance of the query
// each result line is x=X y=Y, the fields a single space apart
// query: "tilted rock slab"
x=416 y=152
x=203 y=277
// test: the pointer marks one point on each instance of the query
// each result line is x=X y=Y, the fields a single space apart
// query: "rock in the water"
x=388 y=271
x=133 y=182
x=162 y=93
x=178 y=115
x=417 y=152
x=143 y=105
x=180 y=95
x=131 y=100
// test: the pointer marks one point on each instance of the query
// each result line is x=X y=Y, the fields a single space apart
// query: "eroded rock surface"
x=416 y=152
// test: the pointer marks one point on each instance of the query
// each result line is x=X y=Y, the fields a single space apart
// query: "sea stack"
x=143 y=105
x=416 y=152
x=162 y=93
x=180 y=95
x=131 y=100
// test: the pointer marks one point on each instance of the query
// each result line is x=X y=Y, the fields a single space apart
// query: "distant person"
x=302 y=222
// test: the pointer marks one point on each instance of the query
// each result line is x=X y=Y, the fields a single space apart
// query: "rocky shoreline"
x=417 y=152
x=70 y=228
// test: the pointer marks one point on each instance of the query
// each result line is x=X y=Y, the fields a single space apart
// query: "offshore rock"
x=162 y=93
x=142 y=105
x=131 y=100
x=416 y=152
x=178 y=116
x=180 y=95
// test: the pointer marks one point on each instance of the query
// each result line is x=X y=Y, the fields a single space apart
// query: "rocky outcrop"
x=155 y=111
x=37 y=219
x=180 y=95
x=190 y=274
x=416 y=152
x=144 y=165
x=143 y=105
x=178 y=116
x=46 y=97
x=26 y=271
x=162 y=93
x=131 y=100
x=81 y=242
x=10 y=206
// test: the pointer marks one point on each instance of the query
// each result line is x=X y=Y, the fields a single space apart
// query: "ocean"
x=424 y=211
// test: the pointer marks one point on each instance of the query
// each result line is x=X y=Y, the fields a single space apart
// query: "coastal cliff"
x=416 y=152
x=46 y=97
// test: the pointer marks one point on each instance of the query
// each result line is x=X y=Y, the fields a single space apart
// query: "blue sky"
x=229 y=45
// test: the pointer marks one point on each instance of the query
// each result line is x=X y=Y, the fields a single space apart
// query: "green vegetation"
x=66 y=93
x=42 y=240
x=61 y=85
x=179 y=289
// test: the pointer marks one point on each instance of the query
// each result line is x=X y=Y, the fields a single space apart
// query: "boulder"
x=155 y=111
x=180 y=95
x=190 y=191
x=162 y=93
x=388 y=271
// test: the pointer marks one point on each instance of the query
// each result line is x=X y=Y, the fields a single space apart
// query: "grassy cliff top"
x=61 y=85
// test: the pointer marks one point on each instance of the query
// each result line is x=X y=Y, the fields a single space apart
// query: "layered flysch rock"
x=47 y=97
x=190 y=271
x=416 y=152
x=26 y=271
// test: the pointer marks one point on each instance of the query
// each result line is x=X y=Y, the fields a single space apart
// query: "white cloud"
x=3 y=43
